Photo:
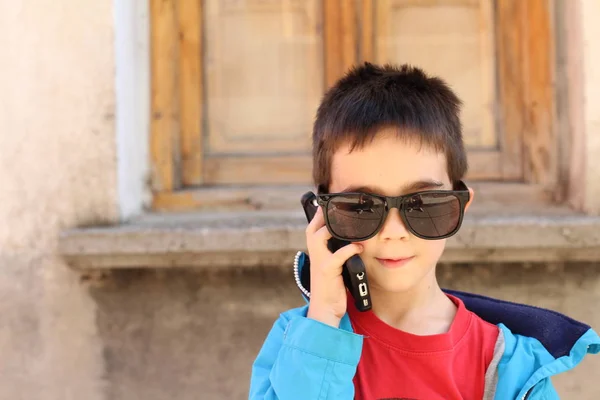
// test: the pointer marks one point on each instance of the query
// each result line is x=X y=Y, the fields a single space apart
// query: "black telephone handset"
x=353 y=272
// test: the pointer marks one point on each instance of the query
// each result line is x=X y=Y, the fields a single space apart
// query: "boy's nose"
x=393 y=226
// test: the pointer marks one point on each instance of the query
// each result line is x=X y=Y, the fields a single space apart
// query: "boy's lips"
x=394 y=262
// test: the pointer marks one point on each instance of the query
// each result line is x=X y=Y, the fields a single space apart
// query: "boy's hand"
x=327 y=291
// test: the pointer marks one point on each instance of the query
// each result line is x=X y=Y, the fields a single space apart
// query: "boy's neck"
x=424 y=310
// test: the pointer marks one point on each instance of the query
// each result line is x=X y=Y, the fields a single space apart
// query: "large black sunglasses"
x=430 y=214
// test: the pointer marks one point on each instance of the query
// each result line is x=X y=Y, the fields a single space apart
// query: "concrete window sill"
x=246 y=239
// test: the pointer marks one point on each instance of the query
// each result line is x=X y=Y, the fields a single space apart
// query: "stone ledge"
x=247 y=239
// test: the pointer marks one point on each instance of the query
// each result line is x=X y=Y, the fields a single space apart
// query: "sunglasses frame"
x=461 y=192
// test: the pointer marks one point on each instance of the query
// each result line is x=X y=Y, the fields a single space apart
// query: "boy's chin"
x=391 y=281
x=402 y=288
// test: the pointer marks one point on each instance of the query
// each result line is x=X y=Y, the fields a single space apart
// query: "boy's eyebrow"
x=409 y=188
x=422 y=185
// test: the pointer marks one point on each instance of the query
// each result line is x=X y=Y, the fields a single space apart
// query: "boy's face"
x=392 y=167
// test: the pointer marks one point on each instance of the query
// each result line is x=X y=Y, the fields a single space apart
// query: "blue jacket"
x=304 y=359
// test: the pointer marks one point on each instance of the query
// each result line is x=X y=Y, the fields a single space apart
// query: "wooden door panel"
x=266 y=64
x=452 y=39
x=274 y=170
x=264 y=75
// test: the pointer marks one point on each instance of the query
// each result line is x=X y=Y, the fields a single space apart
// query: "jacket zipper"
x=297 y=275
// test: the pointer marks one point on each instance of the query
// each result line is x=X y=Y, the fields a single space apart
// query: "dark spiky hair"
x=370 y=97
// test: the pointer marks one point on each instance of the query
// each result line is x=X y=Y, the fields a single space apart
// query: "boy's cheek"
x=369 y=248
x=433 y=249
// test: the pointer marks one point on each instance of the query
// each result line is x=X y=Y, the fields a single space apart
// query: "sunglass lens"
x=433 y=215
x=355 y=216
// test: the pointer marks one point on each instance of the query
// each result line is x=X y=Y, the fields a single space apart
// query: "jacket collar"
x=556 y=332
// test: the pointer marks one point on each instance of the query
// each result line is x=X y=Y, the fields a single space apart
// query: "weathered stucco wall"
x=57 y=170
x=582 y=50
x=590 y=9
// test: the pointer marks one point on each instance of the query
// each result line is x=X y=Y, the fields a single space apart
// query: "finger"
x=322 y=235
x=317 y=222
x=343 y=254
x=317 y=244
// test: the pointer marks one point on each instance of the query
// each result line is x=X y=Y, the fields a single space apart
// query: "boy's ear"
x=471 y=195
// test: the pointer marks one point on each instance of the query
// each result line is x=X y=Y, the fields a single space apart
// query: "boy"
x=387 y=131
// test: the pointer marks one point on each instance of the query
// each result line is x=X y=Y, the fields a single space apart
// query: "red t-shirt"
x=399 y=365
